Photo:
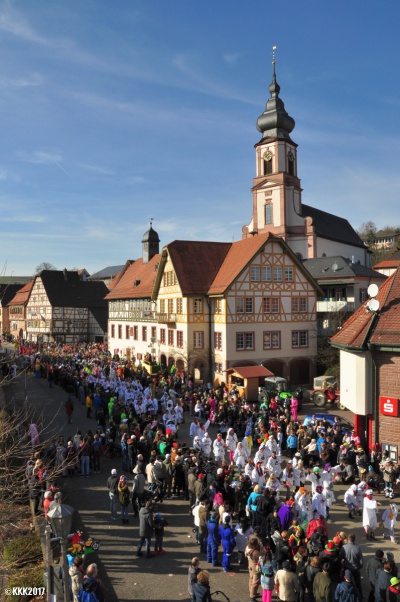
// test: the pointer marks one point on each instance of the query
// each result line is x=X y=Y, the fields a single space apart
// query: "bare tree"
x=45 y=265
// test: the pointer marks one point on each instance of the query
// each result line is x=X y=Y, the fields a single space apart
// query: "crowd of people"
x=260 y=484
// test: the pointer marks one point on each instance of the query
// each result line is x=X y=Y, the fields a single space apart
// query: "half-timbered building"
x=211 y=306
x=17 y=311
x=64 y=308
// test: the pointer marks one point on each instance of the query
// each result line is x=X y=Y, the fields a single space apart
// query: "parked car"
x=347 y=427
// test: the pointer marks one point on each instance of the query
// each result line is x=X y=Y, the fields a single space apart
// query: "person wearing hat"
x=346 y=591
x=112 y=483
x=287 y=583
x=331 y=555
x=322 y=586
x=393 y=592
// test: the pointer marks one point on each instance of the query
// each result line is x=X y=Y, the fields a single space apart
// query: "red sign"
x=389 y=406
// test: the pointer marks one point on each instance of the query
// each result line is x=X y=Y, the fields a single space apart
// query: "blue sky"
x=115 y=112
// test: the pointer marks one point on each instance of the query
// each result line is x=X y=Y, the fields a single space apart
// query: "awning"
x=251 y=371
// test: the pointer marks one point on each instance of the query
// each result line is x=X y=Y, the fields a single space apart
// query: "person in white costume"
x=319 y=502
x=239 y=457
x=206 y=445
x=350 y=499
x=219 y=449
x=274 y=465
x=370 y=519
x=231 y=443
x=261 y=456
x=389 y=518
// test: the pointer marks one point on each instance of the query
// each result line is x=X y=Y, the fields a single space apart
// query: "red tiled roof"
x=382 y=328
x=22 y=296
x=141 y=273
x=196 y=263
x=252 y=371
x=238 y=256
x=391 y=262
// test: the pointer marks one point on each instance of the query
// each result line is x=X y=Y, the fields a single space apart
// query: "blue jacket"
x=252 y=499
x=227 y=538
x=291 y=441
x=213 y=535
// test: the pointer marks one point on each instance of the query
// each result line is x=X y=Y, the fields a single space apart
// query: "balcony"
x=166 y=318
x=331 y=305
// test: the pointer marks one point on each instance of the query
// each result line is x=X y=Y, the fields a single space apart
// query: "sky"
x=113 y=113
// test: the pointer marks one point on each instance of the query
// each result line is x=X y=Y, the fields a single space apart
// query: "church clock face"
x=291 y=156
x=267 y=155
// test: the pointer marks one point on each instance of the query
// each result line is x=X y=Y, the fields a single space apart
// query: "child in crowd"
x=193 y=571
x=159 y=524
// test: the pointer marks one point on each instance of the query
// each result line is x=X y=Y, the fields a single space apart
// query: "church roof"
x=137 y=280
x=275 y=122
x=378 y=328
x=333 y=227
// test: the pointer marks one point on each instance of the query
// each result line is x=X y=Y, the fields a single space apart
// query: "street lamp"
x=60 y=518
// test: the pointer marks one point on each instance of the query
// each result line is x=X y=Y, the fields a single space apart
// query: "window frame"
x=271 y=334
x=245 y=334
x=198 y=339
x=298 y=334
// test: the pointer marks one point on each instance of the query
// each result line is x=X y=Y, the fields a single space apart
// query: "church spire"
x=275 y=121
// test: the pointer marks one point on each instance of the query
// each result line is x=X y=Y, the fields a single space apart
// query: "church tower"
x=276 y=188
x=150 y=244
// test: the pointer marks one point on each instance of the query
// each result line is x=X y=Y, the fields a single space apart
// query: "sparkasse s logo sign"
x=389 y=406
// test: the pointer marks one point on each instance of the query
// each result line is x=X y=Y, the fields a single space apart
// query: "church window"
x=268 y=214
x=291 y=163
x=267 y=167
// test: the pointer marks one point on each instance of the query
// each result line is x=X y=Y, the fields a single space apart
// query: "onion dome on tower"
x=150 y=244
x=275 y=121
